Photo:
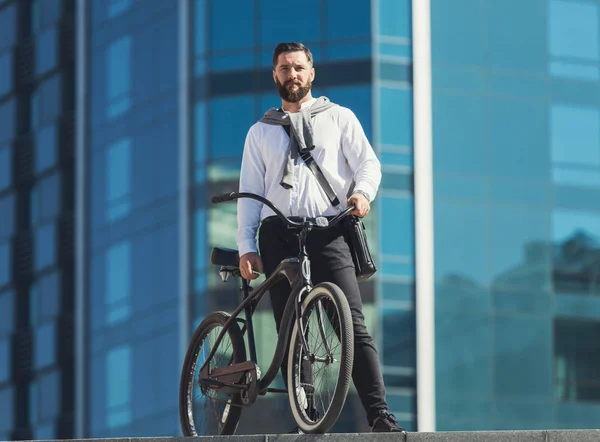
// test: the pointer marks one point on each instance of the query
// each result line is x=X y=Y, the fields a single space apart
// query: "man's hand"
x=361 y=204
x=248 y=262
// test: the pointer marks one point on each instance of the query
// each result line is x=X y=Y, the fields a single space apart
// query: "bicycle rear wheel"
x=319 y=379
x=204 y=410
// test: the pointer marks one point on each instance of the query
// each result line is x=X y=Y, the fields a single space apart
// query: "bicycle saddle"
x=224 y=257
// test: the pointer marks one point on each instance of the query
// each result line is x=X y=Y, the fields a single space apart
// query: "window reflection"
x=118 y=381
x=44 y=343
x=45 y=246
x=231 y=118
x=395 y=18
x=118 y=285
x=5 y=166
x=573 y=39
x=5 y=357
x=44 y=403
x=5 y=263
x=576 y=252
x=6 y=72
x=243 y=21
x=7 y=121
x=7 y=311
x=117 y=7
x=573 y=29
x=118 y=179
x=45 y=148
x=307 y=26
x=7 y=398
x=7 y=220
x=8 y=21
x=46 y=52
x=118 y=77
x=576 y=360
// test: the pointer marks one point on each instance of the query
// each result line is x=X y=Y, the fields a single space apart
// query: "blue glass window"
x=117 y=7
x=5 y=263
x=45 y=246
x=397 y=226
x=46 y=102
x=118 y=77
x=46 y=52
x=575 y=135
x=5 y=166
x=358 y=99
x=44 y=402
x=44 y=345
x=230 y=128
x=7 y=311
x=353 y=23
x=45 y=148
x=119 y=361
x=576 y=360
x=118 y=179
x=273 y=25
x=399 y=352
x=397 y=126
x=45 y=13
x=458 y=45
x=243 y=21
x=395 y=18
x=200 y=29
x=199 y=132
x=7 y=220
x=521 y=48
x=45 y=199
x=8 y=22
x=511 y=127
x=6 y=72
x=5 y=357
x=7 y=120
x=7 y=401
x=460 y=236
x=118 y=283
x=44 y=298
x=573 y=29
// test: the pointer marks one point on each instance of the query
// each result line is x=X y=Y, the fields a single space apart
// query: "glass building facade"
x=117 y=225
x=36 y=219
x=516 y=157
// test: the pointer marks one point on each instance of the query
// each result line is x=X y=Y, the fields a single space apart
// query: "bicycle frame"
x=297 y=272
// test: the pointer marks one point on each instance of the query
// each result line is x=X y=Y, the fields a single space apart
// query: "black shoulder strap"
x=314 y=168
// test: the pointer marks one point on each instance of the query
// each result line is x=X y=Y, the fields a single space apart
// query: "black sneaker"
x=385 y=422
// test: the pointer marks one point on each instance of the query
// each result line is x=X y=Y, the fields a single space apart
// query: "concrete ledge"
x=451 y=436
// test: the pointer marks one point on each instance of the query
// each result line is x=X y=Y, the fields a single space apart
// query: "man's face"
x=293 y=75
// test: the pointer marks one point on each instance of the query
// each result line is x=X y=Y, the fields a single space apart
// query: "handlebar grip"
x=223 y=198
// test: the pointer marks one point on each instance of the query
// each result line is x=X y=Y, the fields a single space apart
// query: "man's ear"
x=274 y=76
x=312 y=74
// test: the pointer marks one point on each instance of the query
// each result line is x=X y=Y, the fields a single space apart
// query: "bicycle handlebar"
x=231 y=196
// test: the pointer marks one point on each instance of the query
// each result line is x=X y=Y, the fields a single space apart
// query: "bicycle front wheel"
x=204 y=410
x=319 y=379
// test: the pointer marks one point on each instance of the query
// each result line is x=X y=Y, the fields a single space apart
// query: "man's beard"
x=293 y=95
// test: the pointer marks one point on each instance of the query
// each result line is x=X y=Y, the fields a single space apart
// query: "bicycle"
x=220 y=392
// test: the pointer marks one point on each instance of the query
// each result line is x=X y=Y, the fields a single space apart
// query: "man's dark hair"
x=282 y=48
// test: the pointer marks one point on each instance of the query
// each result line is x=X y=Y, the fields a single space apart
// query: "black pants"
x=330 y=262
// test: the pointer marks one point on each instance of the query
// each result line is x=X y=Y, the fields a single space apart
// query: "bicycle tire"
x=346 y=337
x=186 y=386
